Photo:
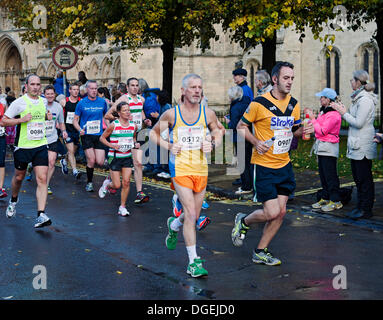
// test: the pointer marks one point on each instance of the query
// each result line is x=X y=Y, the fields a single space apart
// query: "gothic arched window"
x=332 y=70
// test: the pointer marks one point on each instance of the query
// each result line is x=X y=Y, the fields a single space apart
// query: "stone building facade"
x=313 y=69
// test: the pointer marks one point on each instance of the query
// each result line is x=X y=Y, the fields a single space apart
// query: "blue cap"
x=328 y=93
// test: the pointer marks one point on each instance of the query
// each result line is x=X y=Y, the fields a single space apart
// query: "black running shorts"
x=38 y=156
x=116 y=164
x=91 y=141
x=270 y=182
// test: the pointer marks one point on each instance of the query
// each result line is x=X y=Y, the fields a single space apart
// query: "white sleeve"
x=16 y=107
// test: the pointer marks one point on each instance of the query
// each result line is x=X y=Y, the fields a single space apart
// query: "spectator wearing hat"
x=239 y=76
x=326 y=147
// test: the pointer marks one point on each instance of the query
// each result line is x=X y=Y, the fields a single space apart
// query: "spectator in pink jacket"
x=326 y=147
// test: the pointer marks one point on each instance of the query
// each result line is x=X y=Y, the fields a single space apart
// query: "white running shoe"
x=42 y=221
x=123 y=212
x=104 y=188
x=164 y=175
x=11 y=209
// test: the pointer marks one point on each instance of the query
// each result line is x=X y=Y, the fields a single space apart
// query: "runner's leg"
x=137 y=162
x=71 y=147
x=90 y=162
x=52 y=156
x=99 y=156
x=275 y=210
x=41 y=173
x=17 y=180
x=116 y=181
x=190 y=211
x=126 y=173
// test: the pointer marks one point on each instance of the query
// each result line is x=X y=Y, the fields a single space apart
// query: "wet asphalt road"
x=89 y=252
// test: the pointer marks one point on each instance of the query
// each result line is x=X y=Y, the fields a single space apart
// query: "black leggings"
x=329 y=178
x=362 y=174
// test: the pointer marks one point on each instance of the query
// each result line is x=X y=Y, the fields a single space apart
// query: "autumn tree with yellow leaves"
x=131 y=24
x=128 y=24
x=256 y=22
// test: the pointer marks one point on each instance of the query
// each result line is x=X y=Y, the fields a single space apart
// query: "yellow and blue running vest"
x=191 y=160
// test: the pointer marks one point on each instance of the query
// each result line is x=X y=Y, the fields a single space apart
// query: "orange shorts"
x=196 y=183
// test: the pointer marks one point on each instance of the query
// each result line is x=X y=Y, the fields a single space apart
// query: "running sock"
x=40 y=212
x=89 y=173
x=14 y=199
x=192 y=253
x=176 y=224
x=259 y=250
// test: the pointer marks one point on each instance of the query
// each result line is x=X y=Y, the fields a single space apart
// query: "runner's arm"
x=165 y=121
x=76 y=124
x=136 y=144
x=10 y=122
x=110 y=114
x=147 y=122
x=215 y=130
x=244 y=131
x=106 y=134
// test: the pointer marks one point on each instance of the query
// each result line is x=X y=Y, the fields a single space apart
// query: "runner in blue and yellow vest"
x=188 y=124
x=29 y=114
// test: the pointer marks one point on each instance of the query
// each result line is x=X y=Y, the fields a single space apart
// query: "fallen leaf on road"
x=88 y=250
x=118 y=272
x=341 y=234
x=7 y=298
x=91 y=224
x=218 y=252
x=140 y=266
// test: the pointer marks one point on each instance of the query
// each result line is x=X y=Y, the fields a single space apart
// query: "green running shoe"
x=266 y=257
x=239 y=231
x=171 y=238
x=195 y=269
